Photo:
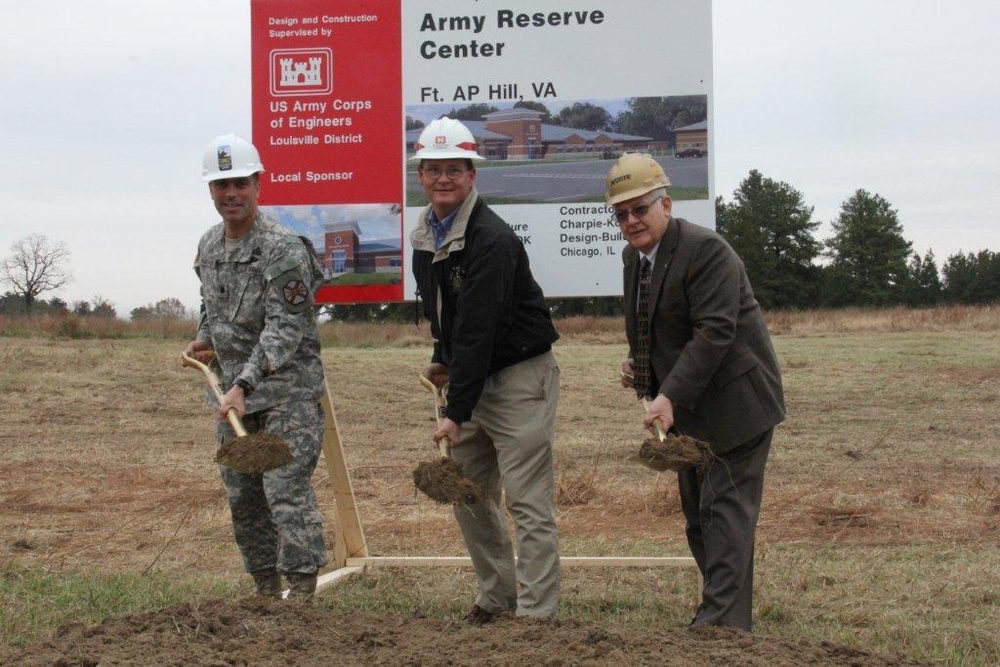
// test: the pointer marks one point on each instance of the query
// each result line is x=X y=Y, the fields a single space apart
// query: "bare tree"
x=37 y=266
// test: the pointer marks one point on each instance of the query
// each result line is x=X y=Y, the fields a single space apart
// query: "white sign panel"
x=558 y=90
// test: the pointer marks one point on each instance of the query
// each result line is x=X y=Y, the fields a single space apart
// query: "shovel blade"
x=255 y=453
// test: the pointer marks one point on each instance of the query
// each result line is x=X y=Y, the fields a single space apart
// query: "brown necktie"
x=641 y=362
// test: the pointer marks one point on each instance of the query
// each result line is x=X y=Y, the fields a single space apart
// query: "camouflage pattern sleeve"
x=204 y=333
x=288 y=301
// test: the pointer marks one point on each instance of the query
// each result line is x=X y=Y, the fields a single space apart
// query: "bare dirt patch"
x=253 y=632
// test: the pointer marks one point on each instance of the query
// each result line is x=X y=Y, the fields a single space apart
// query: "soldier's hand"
x=232 y=400
x=200 y=350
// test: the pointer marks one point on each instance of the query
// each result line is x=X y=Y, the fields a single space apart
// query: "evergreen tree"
x=972 y=278
x=868 y=254
x=771 y=229
x=923 y=287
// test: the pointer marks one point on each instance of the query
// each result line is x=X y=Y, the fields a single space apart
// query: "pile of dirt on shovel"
x=253 y=632
x=442 y=482
x=675 y=452
x=254 y=453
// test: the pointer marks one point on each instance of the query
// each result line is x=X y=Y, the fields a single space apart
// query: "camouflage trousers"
x=276 y=520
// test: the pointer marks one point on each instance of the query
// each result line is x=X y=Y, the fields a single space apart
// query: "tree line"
x=866 y=262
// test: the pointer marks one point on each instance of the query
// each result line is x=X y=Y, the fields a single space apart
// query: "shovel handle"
x=660 y=435
x=444 y=444
x=216 y=386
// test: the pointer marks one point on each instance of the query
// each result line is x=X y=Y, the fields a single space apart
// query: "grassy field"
x=880 y=527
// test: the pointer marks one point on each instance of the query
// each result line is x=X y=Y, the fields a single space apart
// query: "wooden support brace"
x=565 y=561
x=349 y=522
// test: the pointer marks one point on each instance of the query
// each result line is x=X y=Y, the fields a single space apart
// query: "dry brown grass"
x=580 y=329
x=882 y=492
x=860 y=320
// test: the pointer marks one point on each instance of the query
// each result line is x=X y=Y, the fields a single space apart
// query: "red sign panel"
x=328 y=122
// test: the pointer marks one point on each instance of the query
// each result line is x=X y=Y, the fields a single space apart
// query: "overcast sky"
x=108 y=104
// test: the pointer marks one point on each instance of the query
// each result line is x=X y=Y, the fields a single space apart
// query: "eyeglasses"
x=622 y=215
x=434 y=172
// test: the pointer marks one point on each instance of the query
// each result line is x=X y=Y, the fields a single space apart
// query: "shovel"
x=442 y=480
x=246 y=453
x=669 y=451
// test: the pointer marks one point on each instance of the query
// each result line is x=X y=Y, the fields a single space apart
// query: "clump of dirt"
x=442 y=482
x=254 y=453
x=255 y=631
x=675 y=452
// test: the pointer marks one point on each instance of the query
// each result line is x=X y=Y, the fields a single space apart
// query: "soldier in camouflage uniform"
x=258 y=324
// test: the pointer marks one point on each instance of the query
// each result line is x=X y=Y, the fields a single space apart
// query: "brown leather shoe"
x=478 y=616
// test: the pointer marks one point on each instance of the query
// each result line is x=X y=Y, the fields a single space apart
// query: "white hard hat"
x=445 y=139
x=229 y=156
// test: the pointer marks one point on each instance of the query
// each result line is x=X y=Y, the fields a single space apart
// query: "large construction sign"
x=553 y=96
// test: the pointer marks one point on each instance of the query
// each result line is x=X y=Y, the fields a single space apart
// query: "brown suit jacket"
x=710 y=350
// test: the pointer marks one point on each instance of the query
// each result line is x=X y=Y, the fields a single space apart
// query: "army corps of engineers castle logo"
x=301 y=71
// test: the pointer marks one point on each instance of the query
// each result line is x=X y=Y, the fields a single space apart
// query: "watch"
x=244 y=385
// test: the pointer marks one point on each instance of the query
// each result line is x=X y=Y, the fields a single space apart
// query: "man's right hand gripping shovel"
x=442 y=480
x=246 y=453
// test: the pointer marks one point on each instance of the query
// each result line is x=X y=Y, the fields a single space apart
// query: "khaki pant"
x=506 y=448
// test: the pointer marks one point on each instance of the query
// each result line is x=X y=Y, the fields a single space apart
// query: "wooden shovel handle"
x=444 y=444
x=660 y=435
x=216 y=386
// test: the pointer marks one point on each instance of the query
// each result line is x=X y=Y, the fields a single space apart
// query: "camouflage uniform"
x=257 y=313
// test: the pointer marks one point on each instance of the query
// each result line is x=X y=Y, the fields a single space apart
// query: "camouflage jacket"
x=257 y=312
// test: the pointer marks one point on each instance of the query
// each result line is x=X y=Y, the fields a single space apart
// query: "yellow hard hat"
x=633 y=175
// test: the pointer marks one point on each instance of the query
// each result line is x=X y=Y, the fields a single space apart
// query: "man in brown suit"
x=699 y=350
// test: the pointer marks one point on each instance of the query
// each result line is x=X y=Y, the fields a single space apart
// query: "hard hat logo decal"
x=225 y=155
x=445 y=139
x=229 y=156
x=633 y=175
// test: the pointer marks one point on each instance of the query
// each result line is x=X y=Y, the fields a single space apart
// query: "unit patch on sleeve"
x=296 y=293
